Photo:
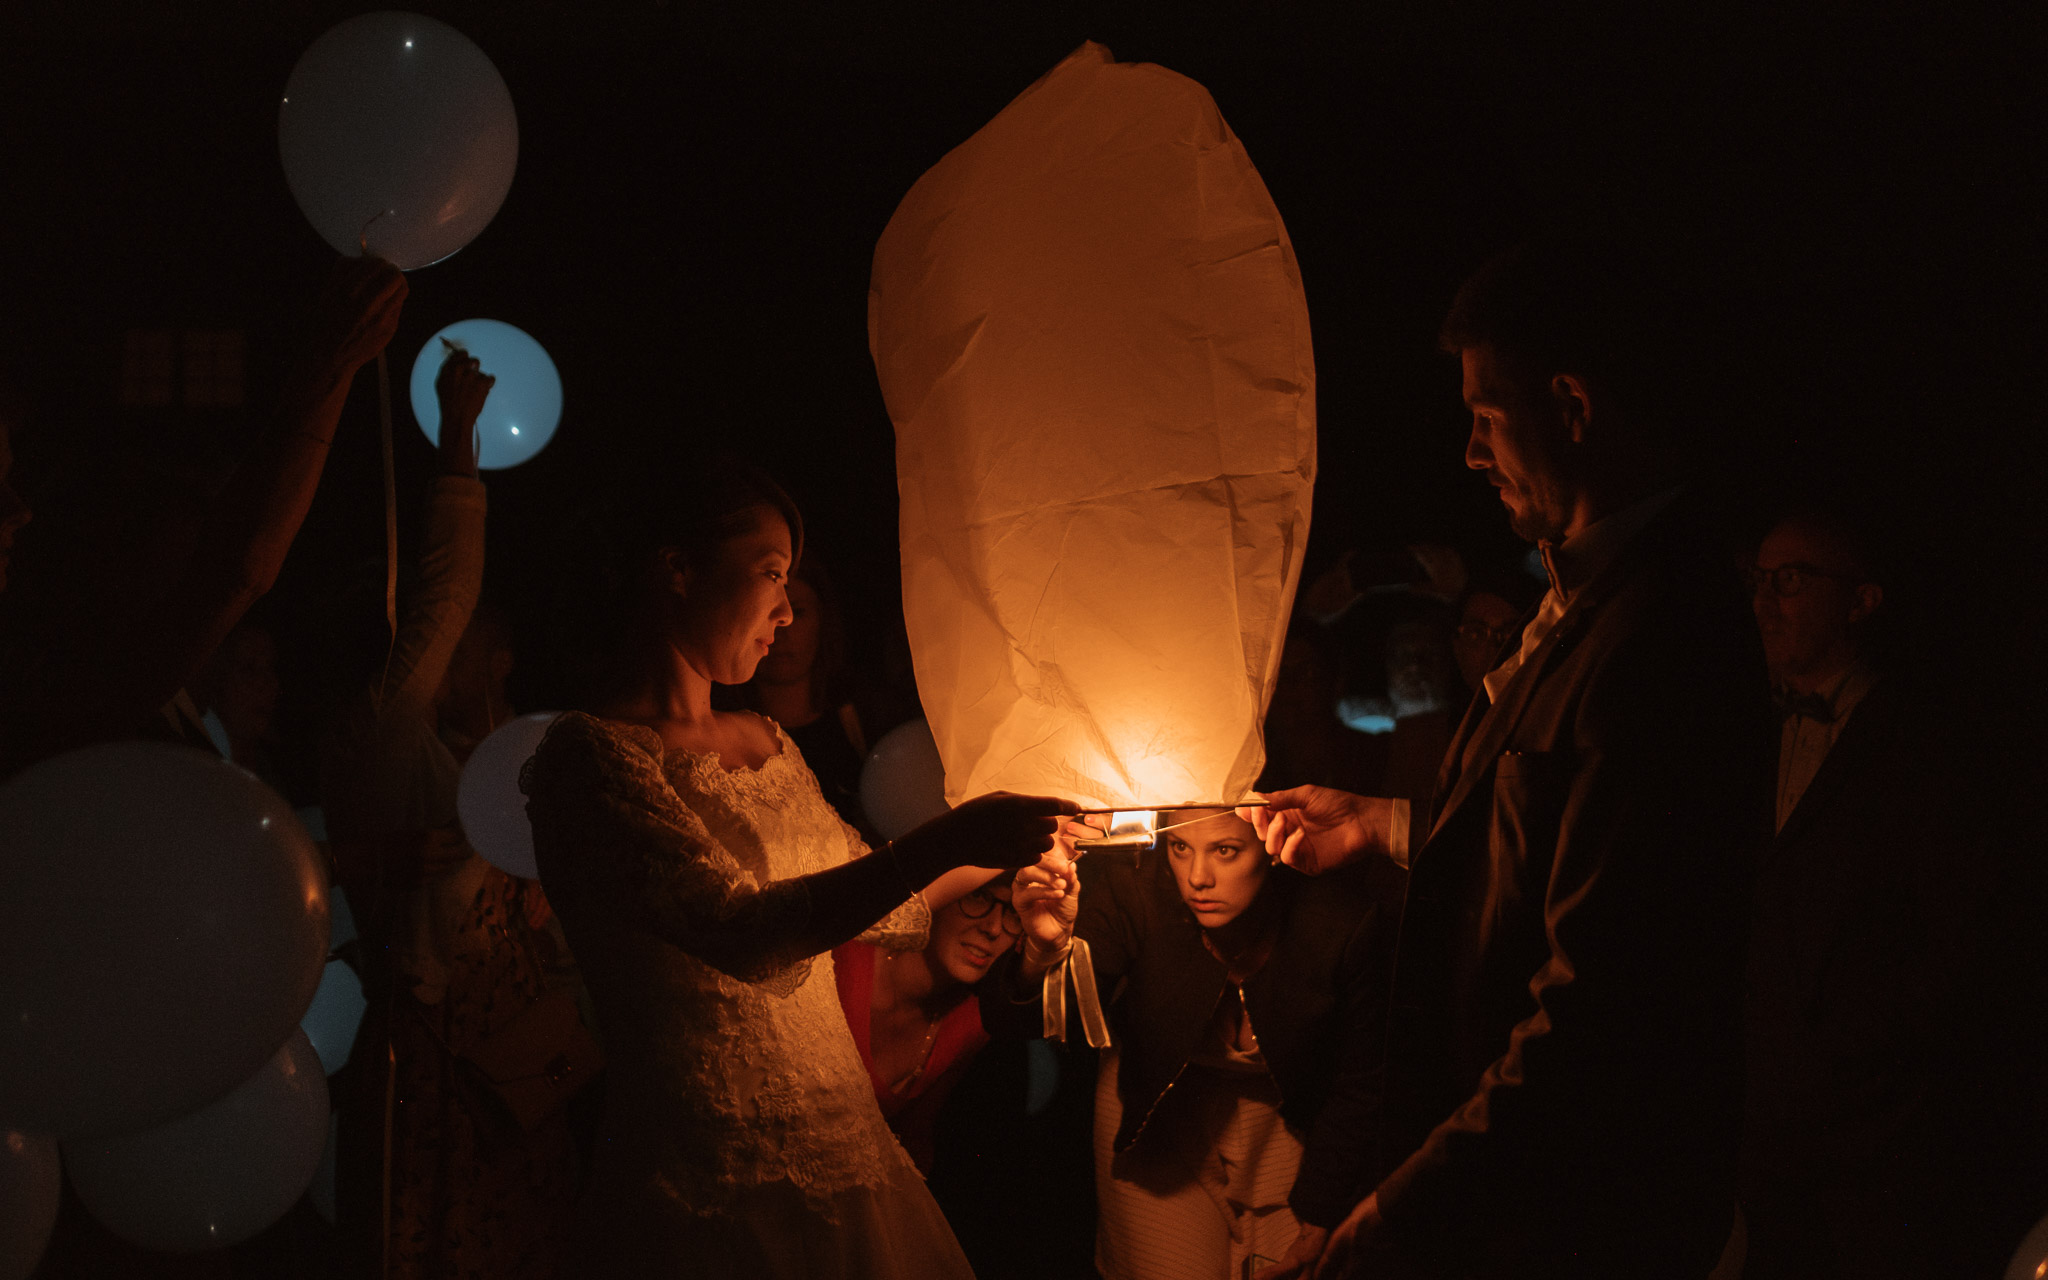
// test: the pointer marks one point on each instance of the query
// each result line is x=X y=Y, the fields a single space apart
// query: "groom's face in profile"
x=1522 y=441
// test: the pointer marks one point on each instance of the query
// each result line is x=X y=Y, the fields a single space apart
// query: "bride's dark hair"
x=707 y=506
x=609 y=551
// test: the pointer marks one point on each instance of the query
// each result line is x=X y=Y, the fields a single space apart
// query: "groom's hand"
x=1318 y=829
x=1300 y=1262
x=1351 y=1248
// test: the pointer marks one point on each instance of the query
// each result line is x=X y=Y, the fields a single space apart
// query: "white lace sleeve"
x=909 y=926
x=606 y=820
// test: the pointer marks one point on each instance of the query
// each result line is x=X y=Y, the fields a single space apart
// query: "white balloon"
x=163 y=921
x=31 y=1182
x=488 y=799
x=398 y=133
x=524 y=407
x=219 y=1175
x=2031 y=1262
x=903 y=783
x=336 y=1012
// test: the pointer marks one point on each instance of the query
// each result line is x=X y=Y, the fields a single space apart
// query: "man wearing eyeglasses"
x=1867 y=1033
x=1814 y=595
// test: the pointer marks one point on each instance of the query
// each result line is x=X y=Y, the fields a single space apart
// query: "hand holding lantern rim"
x=1318 y=829
x=1047 y=897
x=1000 y=830
x=1357 y=1246
x=1127 y=828
x=1299 y=1262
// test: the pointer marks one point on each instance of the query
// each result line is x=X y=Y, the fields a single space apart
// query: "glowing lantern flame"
x=1130 y=826
x=1091 y=335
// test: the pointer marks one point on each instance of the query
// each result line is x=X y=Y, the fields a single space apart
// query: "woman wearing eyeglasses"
x=913 y=1015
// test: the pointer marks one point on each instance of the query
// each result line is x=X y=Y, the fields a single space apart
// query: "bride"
x=702 y=881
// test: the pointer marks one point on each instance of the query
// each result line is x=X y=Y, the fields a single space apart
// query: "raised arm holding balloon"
x=387 y=776
x=462 y=387
x=203 y=903
x=471 y=978
x=69 y=690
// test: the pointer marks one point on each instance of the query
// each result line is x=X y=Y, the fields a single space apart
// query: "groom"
x=1564 y=1047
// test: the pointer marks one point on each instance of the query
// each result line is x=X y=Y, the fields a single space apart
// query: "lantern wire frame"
x=1128 y=828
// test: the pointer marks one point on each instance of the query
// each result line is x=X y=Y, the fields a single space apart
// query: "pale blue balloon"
x=341 y=929
x=337 y=1010
x=520 y=416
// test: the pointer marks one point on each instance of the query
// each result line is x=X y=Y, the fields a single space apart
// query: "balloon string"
x=363 y=236
x=390 y=521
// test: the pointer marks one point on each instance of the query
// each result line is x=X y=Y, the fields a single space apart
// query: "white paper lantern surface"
x=1092 y=339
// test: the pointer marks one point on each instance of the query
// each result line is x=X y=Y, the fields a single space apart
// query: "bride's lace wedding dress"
x=741 y=1136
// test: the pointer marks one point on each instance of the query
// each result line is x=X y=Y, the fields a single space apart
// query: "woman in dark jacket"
x=1237 y=1113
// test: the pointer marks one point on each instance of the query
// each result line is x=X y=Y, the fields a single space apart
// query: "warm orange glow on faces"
x=1219 y=866
x=732 y=607
x=971 y=933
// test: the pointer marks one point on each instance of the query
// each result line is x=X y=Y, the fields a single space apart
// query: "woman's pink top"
x=912 y=1113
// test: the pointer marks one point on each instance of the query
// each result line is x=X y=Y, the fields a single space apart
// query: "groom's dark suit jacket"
x=1565 y=1039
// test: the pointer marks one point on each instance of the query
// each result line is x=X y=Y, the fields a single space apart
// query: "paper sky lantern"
x=1091 y=335
x=525 y=404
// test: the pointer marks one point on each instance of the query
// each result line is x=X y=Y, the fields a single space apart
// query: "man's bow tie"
x=1811 y=705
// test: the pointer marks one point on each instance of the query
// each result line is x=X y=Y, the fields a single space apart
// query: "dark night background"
x=699 y=192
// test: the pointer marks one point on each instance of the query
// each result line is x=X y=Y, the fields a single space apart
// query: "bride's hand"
x=998 y=830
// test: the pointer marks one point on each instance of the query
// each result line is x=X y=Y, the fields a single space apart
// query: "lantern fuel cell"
x=1127 y=828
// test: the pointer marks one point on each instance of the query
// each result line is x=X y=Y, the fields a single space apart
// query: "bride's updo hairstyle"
x=613 y=554
x=708 y=505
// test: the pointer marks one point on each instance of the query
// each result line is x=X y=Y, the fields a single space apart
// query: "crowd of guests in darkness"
x=1801 y=1041
x=460 y=1136
x=1380 y=665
